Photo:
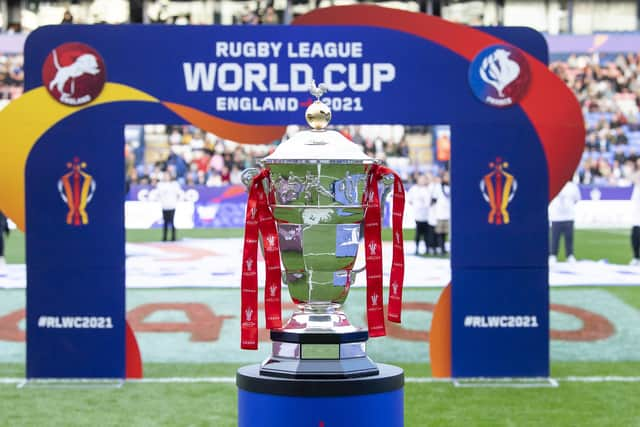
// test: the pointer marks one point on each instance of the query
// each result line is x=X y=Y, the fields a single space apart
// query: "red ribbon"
x=259 y=220
x=373 y=252
x=396 y=280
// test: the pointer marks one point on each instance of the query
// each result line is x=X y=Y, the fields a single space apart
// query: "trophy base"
x=319 y=342
x=318 y=355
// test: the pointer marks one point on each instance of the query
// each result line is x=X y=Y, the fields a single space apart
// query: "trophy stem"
x=320 y=307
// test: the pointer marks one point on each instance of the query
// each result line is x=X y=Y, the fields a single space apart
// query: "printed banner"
x=246 y=84
x=261 y=75
x=200 y=207
x=222 y=207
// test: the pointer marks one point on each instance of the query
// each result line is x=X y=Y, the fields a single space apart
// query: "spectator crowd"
x=258 y=16
x=608 y=89
x=196 y=157
x=11 y=76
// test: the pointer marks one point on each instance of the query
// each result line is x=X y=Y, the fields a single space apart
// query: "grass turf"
x=613 y=245
x=426 y=404
x=584 y=404
x=439 y=404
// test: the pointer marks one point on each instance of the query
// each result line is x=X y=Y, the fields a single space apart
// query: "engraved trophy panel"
x=318 y=208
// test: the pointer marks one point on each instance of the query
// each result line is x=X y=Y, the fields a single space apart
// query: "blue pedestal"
x=375 y=401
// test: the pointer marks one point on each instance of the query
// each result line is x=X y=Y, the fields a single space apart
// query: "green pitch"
x=613 y=245
x=433 y=404
x=426 y=404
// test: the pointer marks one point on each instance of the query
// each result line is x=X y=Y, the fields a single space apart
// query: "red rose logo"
x=74 y=74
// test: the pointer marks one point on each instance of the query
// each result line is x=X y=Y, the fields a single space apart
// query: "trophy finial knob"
x=318 y=114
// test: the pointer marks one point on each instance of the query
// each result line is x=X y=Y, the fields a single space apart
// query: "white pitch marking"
x=223 y=380
x=506 y=383
x=607 y=379
x=552 y=381
x=410 y=380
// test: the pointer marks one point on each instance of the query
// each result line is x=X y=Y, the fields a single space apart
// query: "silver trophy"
x=318 y=179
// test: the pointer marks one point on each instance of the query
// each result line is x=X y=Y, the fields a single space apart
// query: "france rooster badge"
x=499 y=75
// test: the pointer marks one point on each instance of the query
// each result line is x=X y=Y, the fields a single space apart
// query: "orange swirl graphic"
x=239 y=132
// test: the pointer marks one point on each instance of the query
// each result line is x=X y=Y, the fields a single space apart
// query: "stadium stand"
x=607 y=88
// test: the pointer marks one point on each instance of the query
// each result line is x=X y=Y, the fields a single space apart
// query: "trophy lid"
x=318 y=145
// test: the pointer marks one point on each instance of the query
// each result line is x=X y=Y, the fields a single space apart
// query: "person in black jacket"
x=4 y=230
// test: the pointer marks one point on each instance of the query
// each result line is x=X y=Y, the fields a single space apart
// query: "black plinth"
x=319 y=338
x=389 y=378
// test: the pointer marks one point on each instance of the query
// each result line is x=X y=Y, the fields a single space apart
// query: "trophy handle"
x=247 y=176
x=359 y=270
x=387 y=186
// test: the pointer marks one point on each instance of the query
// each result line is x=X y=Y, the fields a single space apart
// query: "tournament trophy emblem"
x=307 y=205
x=76 y=189
x=498 y=189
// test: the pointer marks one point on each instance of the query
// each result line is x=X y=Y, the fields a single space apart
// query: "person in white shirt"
x=431 y=220
x=419 y=198
x=169 y=193
x=442 y=207
x=562 y=213
x=635 y=221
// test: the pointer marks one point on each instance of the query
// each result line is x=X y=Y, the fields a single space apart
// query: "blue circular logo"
x=499 y=75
